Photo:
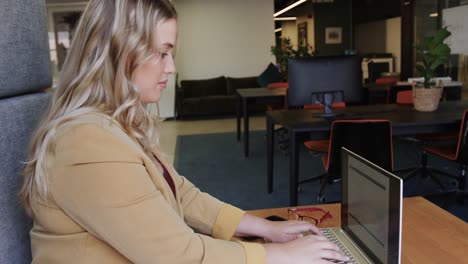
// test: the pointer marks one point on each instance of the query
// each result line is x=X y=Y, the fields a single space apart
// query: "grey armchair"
x=24 y=73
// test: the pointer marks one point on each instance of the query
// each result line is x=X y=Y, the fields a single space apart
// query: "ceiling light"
x=434 y=15
x=278 y=30
x=284 y=18
x=289 y=7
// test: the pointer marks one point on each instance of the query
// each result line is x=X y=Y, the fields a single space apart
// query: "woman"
x=97 y=186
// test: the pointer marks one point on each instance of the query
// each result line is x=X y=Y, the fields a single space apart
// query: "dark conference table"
x=250 y=96
x=306 y=124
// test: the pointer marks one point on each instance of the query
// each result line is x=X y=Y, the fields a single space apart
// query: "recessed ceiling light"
x=284 y=18
x=289 y=7
x=434 y=15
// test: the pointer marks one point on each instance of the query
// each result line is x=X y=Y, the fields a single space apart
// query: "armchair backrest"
x=24 y=73
x=371 y=139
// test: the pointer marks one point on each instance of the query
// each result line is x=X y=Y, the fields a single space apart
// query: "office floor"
x=171 y=129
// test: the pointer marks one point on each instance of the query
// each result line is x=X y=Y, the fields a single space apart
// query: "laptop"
x=371 y=212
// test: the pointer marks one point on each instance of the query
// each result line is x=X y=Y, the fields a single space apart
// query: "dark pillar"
x=407 y=38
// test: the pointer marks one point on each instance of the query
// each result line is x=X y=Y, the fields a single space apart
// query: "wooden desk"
x=429 y=234
x=250 y=96
x=305 y=124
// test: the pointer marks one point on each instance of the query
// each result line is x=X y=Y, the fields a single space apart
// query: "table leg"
x=294 y=168
x=238 y=116
x=270 y=128
x=246 y=128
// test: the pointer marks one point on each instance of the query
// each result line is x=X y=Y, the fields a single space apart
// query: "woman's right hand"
x=308 y=249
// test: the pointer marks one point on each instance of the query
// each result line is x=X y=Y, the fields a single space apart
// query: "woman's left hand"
x=284 y=231
x=275 y=231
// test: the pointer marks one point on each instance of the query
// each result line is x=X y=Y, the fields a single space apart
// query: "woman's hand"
x=284 y=231
x=290 y=246
x=308 y=249
x=275 y=231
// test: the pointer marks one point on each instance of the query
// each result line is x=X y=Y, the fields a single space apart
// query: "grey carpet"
x=215 y=163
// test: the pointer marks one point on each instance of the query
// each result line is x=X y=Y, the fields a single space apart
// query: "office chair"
x=457 y=152
x=376 y=69
x=24 y=72
x=317 y=98
x=277 y=85
x=389 y=83
x=316 y=102
x=371 y=139
x=405 y=97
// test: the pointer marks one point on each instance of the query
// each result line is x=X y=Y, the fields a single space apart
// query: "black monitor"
x=320 y=74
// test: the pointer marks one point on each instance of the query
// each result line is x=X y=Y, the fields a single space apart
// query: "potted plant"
x=285 y=51
x=434 y=52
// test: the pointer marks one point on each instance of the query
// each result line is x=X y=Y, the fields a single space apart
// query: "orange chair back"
x=389 y=81
x=278 y=85
x=461 y=154
x=321 y=106
x=404 y=97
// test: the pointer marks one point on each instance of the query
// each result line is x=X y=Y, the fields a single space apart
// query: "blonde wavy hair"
x=113 y=38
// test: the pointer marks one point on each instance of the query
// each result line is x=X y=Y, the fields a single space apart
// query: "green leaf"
x=439 y=37
x=433 y=52
x=441 y=50
x=421 y=69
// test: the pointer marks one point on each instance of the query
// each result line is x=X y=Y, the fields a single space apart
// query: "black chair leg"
x=434 y=177
x=462 y=178
x=410 y=175
x=459 y=194
x=415 y=171
x=320 y=197
x=317 y=178
x=425 y=172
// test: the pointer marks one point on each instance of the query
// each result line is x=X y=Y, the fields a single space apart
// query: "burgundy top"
x=167 y=177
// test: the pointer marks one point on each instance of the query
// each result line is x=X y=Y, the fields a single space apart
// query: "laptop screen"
x=371 y=208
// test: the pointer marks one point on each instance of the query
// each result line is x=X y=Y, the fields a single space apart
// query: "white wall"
x=224 y=37
x=380 y=37
x=220 y=37
x=289 y=30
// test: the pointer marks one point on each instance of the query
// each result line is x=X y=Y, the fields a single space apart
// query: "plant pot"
x=426 y=99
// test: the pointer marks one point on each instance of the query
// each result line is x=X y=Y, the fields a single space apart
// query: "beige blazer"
x=108 y=203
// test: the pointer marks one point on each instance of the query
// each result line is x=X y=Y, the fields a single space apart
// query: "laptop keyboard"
x=329 y=234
